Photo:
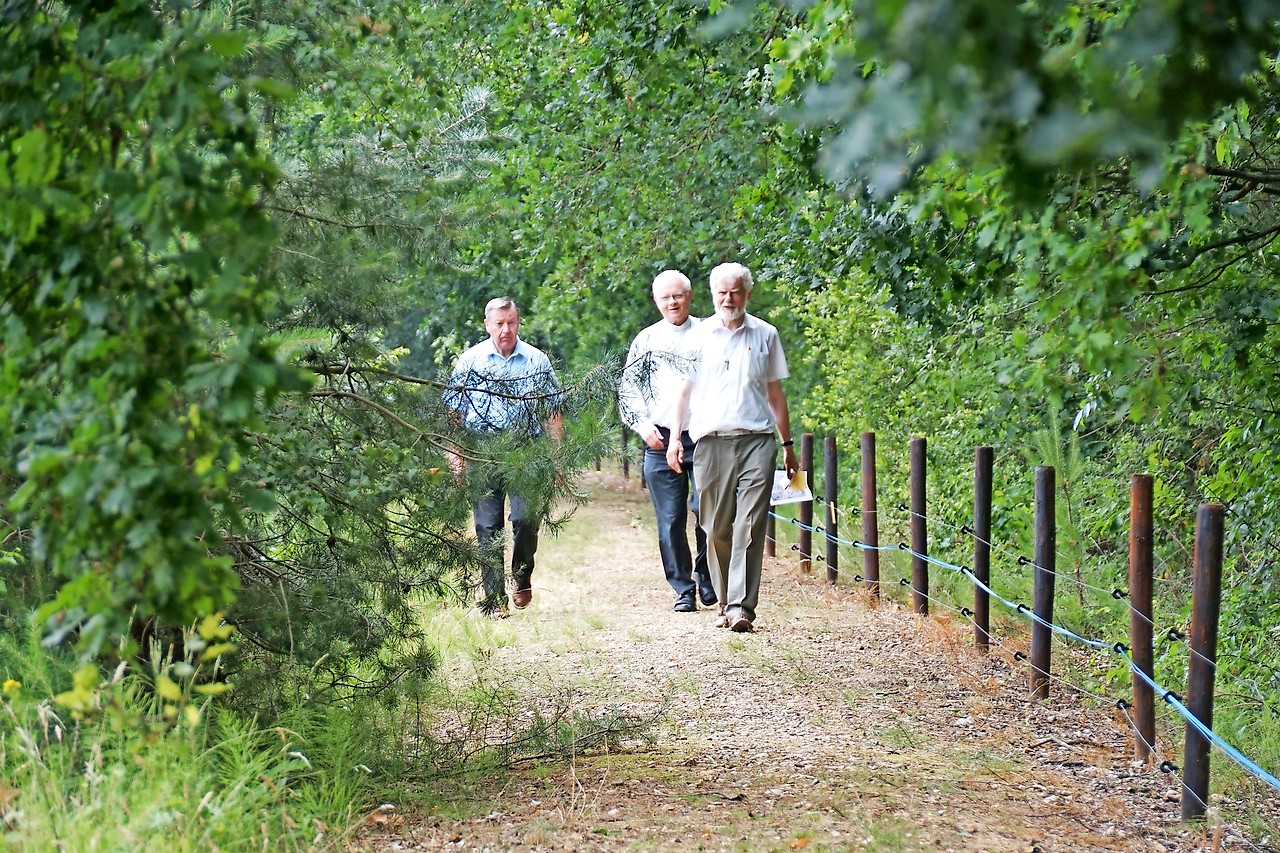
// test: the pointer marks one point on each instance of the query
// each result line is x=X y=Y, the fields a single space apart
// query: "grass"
x=224 y=782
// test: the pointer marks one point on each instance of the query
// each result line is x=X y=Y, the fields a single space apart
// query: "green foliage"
x=132 y=235
x=1037 y=87
x=213 y=780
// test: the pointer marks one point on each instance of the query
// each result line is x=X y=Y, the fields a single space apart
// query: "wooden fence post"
x=1206 y=593
x=806 y=507
x=870 y=526
x=626 y=462
x=919 y=531
x=983 y=466
x=1141 y=645
x=830 y=487
x=1044 y=559
x=770 y=535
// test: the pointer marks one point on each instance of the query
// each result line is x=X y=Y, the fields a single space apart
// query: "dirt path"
x=833 y=727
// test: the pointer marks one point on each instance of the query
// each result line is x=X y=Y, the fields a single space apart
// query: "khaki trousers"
x=735 y=478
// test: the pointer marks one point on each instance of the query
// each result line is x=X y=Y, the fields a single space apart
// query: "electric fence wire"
x=1165 y=766
x=1115 y=592
x=1117 y=648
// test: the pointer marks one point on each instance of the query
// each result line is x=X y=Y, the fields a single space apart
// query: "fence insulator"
x=1019 y=656
x=1123 y=704
x=1167 y=766
x=1118 y=594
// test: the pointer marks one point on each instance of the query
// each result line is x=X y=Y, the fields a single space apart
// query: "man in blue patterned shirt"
x=505 y=385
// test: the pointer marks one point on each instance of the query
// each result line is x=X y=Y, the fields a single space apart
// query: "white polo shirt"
x=731 y=373
x=654 y=376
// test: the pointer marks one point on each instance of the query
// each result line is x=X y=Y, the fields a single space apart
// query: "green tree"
x=135 y=359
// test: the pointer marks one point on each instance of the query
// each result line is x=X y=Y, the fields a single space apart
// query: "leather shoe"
x=521 y=598
x=722 y=619
x=740 y=625
x=707 y=596
x=684 y=604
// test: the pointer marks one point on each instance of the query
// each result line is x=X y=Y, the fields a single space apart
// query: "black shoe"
x=707 y=596
x=684 y=604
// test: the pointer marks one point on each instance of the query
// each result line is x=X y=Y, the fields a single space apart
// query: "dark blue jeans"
x=671 y=494
x=490 y=533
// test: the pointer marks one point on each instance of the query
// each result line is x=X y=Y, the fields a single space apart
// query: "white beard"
x=729 y=315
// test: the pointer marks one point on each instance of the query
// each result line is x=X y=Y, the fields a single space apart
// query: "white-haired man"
x=735 y=385
x=647 y=397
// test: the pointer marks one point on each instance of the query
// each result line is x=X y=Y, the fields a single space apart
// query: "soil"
x=834 y=726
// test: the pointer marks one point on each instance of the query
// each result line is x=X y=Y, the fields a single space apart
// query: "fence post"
x=806 y=507
x=830 y=487
x=983 y=465
x=1142 y=651
x=919 y=534
x=1206 y=591
x=1046 y=540
x=626 y=462
x=770 y=535
x=870 y=529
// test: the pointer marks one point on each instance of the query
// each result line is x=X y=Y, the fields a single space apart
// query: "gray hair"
x=672 y=275
x=498 y=303
x=732 y=273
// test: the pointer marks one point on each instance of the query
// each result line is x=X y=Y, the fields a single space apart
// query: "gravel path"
x=833 y=727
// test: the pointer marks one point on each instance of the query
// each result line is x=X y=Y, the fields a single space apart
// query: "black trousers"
x=491 y=533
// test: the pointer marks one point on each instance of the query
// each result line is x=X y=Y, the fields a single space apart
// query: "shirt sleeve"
x=454 y=396
x=777 y=360
x=631 y=402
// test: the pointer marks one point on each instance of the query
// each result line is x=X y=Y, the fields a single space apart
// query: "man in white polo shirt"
x=735 y=385
x=647 y=396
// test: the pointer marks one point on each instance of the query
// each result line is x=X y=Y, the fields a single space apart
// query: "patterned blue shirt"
x=495 y=394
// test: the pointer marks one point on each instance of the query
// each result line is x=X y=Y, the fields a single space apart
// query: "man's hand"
x=675 y=457
x=789 y=455
x=653 y=438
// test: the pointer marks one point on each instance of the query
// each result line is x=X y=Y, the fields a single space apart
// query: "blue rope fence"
x=1118 y=649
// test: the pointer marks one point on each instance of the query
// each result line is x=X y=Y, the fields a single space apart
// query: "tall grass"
x=130 y=777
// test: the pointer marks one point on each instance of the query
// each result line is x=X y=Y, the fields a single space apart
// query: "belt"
x=734 y=433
